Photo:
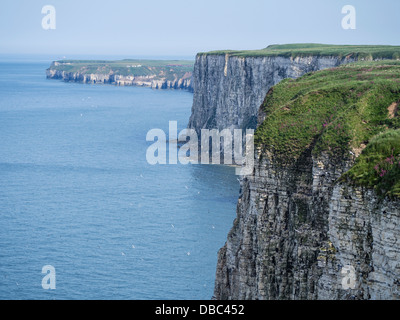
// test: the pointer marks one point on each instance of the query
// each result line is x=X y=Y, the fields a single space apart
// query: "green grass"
x=378 y=166
x=366 y=52
x=333 y=111
x=167 y=69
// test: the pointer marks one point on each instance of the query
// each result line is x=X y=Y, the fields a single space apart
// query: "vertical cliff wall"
x=301 y=225
x=228 y=90
x=296 y=229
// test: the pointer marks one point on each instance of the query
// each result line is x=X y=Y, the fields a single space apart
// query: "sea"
x=77 y=193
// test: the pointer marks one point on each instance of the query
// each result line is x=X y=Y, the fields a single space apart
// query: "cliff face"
x=296 y=229
x=301 y=225
x=228 y=90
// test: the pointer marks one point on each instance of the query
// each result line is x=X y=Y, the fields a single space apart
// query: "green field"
x=166 y=68
x=366 y=52
x=338 y=111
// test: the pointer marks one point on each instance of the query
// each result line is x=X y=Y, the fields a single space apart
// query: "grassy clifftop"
x=366 y=52
x=168 y=69
x=339 y=110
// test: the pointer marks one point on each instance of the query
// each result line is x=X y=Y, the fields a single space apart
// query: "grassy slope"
x=379 y=165
x=163 y=68
x=306 y=49
x=335 y=111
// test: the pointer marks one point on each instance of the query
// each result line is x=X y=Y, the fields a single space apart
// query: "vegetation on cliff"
x=166 y=69
x=366 y=52
x=379 y=165
x=338 y=111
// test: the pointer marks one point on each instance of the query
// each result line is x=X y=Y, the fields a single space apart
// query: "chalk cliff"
x=156 y=77
x=301 y=224
x=228 y=90
x=296 y=229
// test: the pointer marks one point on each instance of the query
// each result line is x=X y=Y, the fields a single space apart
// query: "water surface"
x=77 y=193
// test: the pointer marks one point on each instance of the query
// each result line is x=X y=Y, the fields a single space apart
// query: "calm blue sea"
x=77 y=193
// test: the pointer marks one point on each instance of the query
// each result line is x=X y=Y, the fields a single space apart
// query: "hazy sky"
x=185 y=27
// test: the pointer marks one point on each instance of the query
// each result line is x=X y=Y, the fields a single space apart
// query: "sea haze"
x=77 y=193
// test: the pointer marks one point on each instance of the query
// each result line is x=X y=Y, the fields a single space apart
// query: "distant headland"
x=157 y=74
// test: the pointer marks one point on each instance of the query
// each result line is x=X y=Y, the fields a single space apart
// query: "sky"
x=180 y=28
